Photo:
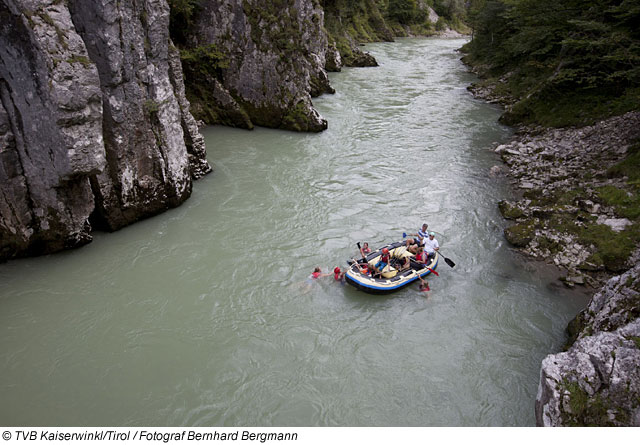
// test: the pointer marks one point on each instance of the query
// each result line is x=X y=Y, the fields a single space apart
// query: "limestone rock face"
x=615 y=306
x=50 y=130
x=94 y=123
x=597 y=381
x=148 y=164
x=333 y=59
x=276 y=53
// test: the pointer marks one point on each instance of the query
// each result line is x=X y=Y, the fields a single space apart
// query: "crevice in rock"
x=97 y=218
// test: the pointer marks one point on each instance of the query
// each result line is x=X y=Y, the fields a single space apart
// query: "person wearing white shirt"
x=431 y=245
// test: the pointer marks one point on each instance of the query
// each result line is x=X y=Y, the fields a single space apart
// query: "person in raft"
x=384 y=260
x=431 y=245
x=404 y=263
x=363 y=267
x=365 y=250
x=420 y=237
x=421 y=255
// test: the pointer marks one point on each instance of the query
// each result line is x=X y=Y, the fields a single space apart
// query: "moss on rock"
x=510 y=210
x=520 y=235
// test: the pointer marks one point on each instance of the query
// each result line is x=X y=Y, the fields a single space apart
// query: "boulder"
x=519 y=235
x=616 y=224
x=595 y=383
x=597 y=380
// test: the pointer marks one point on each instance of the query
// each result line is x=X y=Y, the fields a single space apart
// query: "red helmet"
x=336 y=270
x=385 y=251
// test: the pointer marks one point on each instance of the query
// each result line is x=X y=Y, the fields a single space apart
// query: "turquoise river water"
x=201 y=316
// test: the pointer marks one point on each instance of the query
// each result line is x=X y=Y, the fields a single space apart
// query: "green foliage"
x=520 y=234
x=182 y=13
x=201 y=65
x=358 y=20
x=629 y=167
x=151 y=107
x=296 y=118
x=586 y=52
x=627 y=204
x=613 y=248
x=586 y=410
x=406 y=11
x=510 y=211
x=274 y=25
x=452 y=11
x=83 y=60
x=203 y=62
x=578 y=107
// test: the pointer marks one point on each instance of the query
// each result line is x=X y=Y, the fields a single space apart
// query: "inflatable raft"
x=392 y=278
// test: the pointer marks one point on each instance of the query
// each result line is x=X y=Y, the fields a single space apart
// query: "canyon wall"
x=95 y=129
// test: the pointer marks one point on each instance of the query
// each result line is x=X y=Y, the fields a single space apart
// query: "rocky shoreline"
x=565 y=214
x=597 y=381
x=560 y=175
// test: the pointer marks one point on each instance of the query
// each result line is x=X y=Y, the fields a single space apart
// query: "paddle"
x=447 y=260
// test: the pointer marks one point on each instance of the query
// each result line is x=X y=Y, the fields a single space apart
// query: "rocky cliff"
x=94 y=124
x=265 y=60
x=597 y=381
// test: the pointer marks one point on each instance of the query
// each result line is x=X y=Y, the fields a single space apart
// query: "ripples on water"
x=200 y=316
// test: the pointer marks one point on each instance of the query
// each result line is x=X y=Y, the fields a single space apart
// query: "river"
x=201 y=316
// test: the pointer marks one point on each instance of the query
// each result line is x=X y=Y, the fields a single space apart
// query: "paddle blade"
x=449 y=262
x=404 y=234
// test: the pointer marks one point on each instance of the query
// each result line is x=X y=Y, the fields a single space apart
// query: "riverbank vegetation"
x=356 y=21
x=559 y=63
x=568 y=64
